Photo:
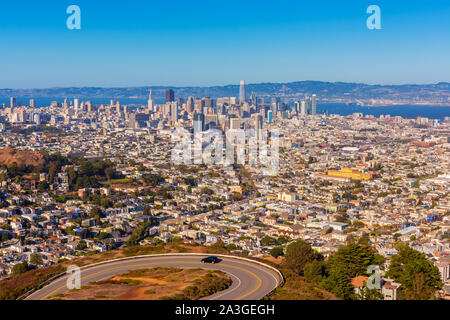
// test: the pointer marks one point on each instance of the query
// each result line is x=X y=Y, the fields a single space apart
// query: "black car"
x=211 y=259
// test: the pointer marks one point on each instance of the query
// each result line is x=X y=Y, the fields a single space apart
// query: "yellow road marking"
x=153 y=263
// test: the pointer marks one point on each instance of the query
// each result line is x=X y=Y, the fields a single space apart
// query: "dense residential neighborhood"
x=78 y=179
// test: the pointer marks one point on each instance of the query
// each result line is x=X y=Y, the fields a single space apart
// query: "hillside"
x=153 y=284
x=438 y=93
x=21 y=157
x=295 y=287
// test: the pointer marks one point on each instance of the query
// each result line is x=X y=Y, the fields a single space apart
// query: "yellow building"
x=350 y=174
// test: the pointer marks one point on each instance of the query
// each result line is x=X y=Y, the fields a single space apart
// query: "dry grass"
x=151 y=284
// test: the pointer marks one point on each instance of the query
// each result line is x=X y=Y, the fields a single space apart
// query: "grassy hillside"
x=295 y=287
x=21 y=157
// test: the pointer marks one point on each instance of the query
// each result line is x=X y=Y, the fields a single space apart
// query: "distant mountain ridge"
x=438 y=92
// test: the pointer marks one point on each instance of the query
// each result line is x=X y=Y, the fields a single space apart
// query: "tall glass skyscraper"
x=242 y=92
x=313 y=104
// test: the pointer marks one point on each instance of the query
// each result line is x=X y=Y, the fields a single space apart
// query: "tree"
x=314 y=270
x=176 y=239
x=139 y=233
x=365 y=239
x=20 y=268
x=96 y=213
x=5 y=236
x=219 y=244
x=418 y=276
x=147 y=211
x=268 y=241
x=369 y=294
x=298 y=254
x=206 y=190
x=276 y=252
x=103 y=235
x=283 y=239
x=348 y=262
x=81 y=245
x=36 y=259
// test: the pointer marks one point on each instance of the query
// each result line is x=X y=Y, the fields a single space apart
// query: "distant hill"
x=334 y=91
x=22 y=157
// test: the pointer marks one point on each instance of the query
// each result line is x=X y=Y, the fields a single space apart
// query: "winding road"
x=251 y=280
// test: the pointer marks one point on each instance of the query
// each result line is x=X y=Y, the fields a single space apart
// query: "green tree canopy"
x=298 y=254
x=276 y=252
x=36 y=259
x=418 y=276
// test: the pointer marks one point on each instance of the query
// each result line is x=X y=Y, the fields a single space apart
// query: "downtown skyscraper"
x=170 y=95
x=313 y=104
x=150 y=102
x=242 y=92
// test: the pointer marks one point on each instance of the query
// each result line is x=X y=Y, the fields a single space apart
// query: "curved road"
x=251 y=281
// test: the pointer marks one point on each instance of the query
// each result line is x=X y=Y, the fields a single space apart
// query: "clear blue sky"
x=207 y=42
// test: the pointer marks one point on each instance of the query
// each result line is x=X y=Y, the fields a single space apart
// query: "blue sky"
x=199 y=42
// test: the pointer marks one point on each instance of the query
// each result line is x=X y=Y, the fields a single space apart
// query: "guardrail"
x=41 y=285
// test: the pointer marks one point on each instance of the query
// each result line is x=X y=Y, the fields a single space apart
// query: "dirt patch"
x=152 y=284
x=21 y=157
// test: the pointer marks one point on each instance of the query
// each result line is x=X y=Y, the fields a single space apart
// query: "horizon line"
x=225 y=85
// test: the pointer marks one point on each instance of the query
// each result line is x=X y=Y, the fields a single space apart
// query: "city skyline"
x=148 y=43
x=145 y=156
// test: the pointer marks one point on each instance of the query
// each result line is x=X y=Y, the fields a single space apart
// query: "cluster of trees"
x=153 y=179
x=139 y=233
x=418 y=276
x=270 y=241
x=90 y=173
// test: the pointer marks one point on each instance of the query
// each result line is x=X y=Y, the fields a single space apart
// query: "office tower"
x=269 y=116
x=274 y=107
x=150 y=101
x=258 y=125
x=296 y=107
x=253 y=99
x=190 y=104
x=37 y=118
x=118 y=107
x=199 y=122
x=89 y=106
x=211 y=121
x=199 y=105
x=32 y=103
x=173 y=112
x=245 y=109
x=139 y=120
x=303 y=110
x=313 y=104
x=170 y=95
x=208 y=102
x=180 y=101
x=76 y=104
x=21 y=116
x=235 y=123
x=12 y=102
x=242 y=92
